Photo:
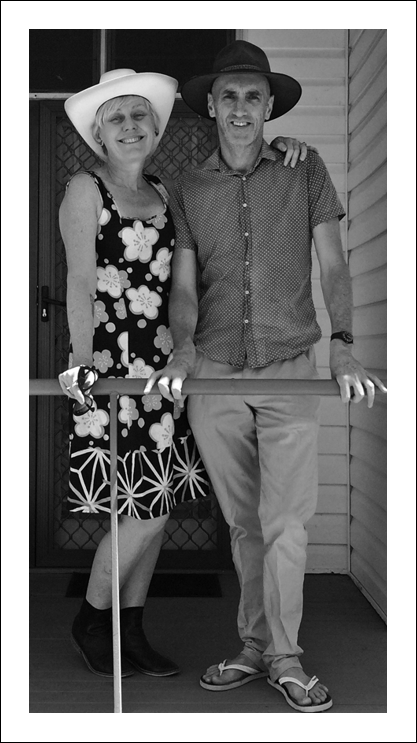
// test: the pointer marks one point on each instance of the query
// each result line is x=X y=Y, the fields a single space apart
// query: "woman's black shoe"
x=136 y=648
x=92 y=637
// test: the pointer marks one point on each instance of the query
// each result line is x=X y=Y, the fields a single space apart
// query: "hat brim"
x=158 y=89
x=285 y=89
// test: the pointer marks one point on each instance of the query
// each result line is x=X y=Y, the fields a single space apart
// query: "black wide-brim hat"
x=241 y=56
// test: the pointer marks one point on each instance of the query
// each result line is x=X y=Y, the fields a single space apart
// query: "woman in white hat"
x=119 y=238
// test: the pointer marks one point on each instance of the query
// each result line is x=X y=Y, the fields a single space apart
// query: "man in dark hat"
x=244 y=225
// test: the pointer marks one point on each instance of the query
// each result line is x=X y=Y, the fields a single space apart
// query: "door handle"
x=46 y=300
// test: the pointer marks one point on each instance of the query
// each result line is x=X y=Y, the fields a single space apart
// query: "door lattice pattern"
x=187 y=141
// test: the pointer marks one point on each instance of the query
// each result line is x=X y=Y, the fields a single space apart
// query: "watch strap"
x=343 y=335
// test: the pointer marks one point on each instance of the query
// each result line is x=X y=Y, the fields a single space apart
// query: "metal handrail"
x=119 y=385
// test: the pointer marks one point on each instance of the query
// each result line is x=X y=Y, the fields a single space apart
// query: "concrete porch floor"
x=343 y=637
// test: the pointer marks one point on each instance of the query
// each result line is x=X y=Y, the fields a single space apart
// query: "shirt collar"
x=214 y=162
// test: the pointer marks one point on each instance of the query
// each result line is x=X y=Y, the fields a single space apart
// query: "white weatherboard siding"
x=317 y=59
x=367 y=241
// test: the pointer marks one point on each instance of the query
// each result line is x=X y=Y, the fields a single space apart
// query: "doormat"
x=190 y=585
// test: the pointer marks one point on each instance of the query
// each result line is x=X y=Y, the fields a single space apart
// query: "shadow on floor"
x=343 y=637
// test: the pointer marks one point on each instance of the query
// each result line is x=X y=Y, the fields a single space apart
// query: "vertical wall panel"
x=316 y=58
x=367 y=261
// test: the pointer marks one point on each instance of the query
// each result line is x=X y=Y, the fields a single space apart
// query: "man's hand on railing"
x=354 y=381
x=170 y=379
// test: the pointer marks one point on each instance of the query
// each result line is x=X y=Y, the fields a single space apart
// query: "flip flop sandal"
x=252 y=674
x=328 y=702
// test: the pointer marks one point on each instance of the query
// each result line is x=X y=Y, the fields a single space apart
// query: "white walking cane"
x=117 y=663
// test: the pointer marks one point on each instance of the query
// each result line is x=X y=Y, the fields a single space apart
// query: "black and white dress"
x=158 y=463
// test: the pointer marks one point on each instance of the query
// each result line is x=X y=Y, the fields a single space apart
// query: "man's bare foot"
x=317 y=694
x=212 y=675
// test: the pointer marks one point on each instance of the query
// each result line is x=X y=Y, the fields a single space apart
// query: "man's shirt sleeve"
x=183 y=236
x=323 y=201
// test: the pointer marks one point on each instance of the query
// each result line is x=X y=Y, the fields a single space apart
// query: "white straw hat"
x=158 y=89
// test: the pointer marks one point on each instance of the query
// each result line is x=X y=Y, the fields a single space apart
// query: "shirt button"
x=246 y=234
x=246 y=263
x=244 y=204
x=244 y=178
x=246 y=321
x=246 y=292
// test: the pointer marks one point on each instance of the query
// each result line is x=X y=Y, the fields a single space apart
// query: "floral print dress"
x=158 y=463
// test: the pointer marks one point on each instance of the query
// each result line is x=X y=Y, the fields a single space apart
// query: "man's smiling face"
x=241 y=104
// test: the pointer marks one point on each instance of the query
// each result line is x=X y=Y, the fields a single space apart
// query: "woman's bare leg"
x=139 y=544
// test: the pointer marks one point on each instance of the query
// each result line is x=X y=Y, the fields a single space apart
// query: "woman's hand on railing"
x=68 y=381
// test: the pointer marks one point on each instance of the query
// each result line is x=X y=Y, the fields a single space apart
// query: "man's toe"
x=208 y=677
x=212 y=669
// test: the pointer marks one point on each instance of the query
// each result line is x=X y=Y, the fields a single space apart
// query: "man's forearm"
x=337 y=293
x=183 y=315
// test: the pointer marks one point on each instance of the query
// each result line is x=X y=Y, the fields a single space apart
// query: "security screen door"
x=196 y=536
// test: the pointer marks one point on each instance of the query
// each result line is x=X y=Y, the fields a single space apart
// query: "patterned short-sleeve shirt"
x=252 y=236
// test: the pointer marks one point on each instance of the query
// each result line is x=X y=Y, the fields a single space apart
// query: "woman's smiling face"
x=128 y=129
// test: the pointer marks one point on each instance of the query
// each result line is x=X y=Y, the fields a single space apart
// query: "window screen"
x=179 y=53
x=63 y=60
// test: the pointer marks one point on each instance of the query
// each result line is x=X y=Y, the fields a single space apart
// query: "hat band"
x=242 y=67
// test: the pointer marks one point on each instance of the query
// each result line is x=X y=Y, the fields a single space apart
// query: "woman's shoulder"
x=83 y=190
x=83 y=179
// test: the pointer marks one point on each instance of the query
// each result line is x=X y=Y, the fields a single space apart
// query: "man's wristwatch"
x=343 y=335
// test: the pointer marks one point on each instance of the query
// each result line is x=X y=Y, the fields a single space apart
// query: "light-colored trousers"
x=261 y=455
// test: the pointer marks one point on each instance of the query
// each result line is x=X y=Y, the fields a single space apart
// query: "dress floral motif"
x=158 y=463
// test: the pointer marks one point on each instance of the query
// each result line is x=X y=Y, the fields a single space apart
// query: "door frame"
x=45 y=331
x=33 y=318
